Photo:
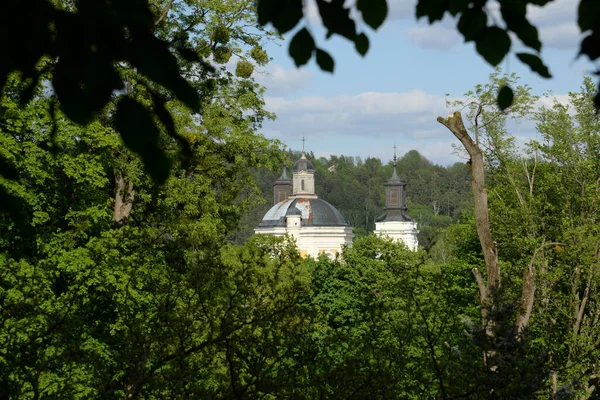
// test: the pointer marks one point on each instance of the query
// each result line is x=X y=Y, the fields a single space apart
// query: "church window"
x=302 y=184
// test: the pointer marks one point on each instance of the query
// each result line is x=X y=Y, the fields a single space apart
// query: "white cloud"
x=368 y=124
x=554 y=13
x=280 y=81
x=435 y=36
x=564 y=36
x=556 y=23
x=363 y=125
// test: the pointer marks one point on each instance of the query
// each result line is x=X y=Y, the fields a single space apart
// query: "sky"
x=393 y=95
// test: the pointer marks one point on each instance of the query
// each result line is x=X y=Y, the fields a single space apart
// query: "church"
x=317 y=226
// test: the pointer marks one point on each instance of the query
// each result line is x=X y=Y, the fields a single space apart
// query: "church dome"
x=315 y=212
x=303 y=164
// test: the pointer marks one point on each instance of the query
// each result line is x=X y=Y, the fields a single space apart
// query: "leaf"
x=493 y=44
x=514 y=15
x=301 y=47
x=188 y=54
x=471 y=23
x=290 y=15
x=283 y=14
x=589 y=15
x=597 y=99
x=361 y=43
x=373 y=12
x=7 y=170
x=535 y=63
x=153 y=59
x=264 y=11
x=590 y=46
x=505 y=97
x=165 y=117
x=336 y=18
x=139 y=133
x=324 y=60
x=432 y=9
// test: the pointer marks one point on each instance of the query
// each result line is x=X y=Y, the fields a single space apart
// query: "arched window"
x=302 y=184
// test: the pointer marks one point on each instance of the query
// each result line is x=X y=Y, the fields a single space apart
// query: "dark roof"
x=303 y=164
x=315 y=212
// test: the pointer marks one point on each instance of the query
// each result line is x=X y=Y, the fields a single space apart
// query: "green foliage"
x=116 y=61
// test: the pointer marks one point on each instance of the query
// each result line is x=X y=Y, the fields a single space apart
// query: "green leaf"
x=324 y=60
x=493 y=44
x=362 y=44
x=589 y=15
x=373 y=12
x=139 y=133
x=301 y=47
x=535 y=63
x=505 y=97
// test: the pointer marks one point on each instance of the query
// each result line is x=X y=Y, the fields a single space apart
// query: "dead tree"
x=124 y=195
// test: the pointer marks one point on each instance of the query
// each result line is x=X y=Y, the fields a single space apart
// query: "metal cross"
x=395 y=147
x=303 y=140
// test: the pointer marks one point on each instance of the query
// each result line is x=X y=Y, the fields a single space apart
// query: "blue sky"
x=394 y=94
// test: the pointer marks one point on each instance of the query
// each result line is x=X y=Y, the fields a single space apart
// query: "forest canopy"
x=122 y=278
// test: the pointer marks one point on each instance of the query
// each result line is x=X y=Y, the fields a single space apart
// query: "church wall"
x=404 y=231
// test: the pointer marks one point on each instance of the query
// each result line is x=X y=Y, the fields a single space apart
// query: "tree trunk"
x=455 y=124
x=124 y=196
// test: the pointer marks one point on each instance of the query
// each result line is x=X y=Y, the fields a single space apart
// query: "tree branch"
x=528 y=291
x=164 y=13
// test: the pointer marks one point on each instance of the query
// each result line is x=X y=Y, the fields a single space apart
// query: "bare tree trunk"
x=455 y=124
x=528 y=290
x=124 y=196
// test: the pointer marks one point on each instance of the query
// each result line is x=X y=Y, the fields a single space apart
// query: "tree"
x=136 y=65
x=488 y=126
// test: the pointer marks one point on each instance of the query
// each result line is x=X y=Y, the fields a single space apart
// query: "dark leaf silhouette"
x=493 y=44
x=373 y=12
x=324 y=60
x=140 y=134
x=301 y=47
x=362 y=44
x=505 y=97
x=535 y=63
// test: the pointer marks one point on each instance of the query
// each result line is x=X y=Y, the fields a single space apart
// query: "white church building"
x=317 y=226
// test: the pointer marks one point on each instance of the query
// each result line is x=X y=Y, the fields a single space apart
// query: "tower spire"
x=395 y=174
x=303 y=140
